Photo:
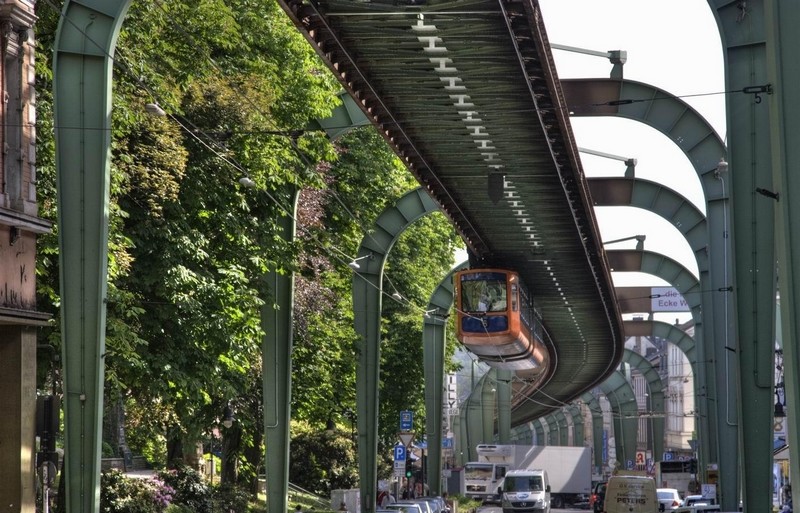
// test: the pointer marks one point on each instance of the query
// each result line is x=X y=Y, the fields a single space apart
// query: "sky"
x=671 y=45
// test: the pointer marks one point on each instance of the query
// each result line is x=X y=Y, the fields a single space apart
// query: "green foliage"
x=189 y=489
x=122 y=494
x=465 y=503
x=178 y=508
x=322 y=461
x=230 y=498
x=189 y=248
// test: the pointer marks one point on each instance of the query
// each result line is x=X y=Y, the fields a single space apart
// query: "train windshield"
x=484 y=292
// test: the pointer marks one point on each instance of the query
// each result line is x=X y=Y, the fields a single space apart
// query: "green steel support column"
x=704 y=148
x=488 y=397
x=433 y=338
x=477 y=415
x=471 y=423
x=504 y=378
x=522 y=434
x=722 y=349
x=783 y=18
x=433 y=344
x=597 y=427
x=552 y=429
x=625 y=413
x=538 y=429
x=276 y=348
x=578 y=436
x=656 y=396
x=460 y=445
x=745 y=32
x=344 y=118
x=367 y=294
x=563 y=427
x=660 y=329
x=679 y=277
x=87 y=36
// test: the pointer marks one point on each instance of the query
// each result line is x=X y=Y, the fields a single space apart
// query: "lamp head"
x=227 y=416
x=354 y=265
x=154 y=110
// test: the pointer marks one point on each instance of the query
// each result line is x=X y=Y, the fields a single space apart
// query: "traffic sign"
x=407 y=438
x=629 y=465
x=668 y=456
x=399 y=453
x=406 y=420
x=399 y=468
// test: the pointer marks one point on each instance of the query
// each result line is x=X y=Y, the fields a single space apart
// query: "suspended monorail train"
x=496 y=320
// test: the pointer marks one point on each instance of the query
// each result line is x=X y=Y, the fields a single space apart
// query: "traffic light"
x=693 y=466
x=409 y=472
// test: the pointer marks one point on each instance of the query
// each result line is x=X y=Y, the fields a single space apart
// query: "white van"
x=631 y=494
x=526 y=491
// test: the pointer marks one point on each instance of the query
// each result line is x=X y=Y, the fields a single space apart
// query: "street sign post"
x=400 y=455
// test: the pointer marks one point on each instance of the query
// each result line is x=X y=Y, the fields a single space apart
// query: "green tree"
x=189 y=245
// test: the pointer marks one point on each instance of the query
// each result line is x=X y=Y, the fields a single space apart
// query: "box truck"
x=569 y=470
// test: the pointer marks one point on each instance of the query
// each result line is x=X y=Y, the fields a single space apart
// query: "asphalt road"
x=497 y=509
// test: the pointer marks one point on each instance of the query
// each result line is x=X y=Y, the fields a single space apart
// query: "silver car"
x=670 y=498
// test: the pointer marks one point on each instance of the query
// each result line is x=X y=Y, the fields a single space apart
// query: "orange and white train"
x=497 y=322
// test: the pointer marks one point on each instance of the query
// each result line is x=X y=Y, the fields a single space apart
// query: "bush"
x=230 y=498
x=189 y=489
x=465 y=503
x=178 y=508
x=321 y=462
x=121 y=494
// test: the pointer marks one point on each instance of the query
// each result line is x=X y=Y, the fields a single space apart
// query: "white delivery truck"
x=569 y=470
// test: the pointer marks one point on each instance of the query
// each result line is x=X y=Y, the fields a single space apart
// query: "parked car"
x=405 y=507
x=692 y=500
x=670 y=498
x=597 y=497
x=437 y=503
x=427 y=506
x=697 y=508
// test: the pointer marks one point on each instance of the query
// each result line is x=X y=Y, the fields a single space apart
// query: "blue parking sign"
x=399 y=453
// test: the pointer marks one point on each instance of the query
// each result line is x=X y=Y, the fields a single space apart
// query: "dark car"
x=597 y=497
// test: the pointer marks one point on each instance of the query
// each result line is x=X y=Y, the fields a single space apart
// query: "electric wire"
x=216 y=148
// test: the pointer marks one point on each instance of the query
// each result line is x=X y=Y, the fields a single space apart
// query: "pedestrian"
x=447 y=502
x=385 y=498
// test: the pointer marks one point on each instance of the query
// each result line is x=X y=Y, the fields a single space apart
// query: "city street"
x=497 y=509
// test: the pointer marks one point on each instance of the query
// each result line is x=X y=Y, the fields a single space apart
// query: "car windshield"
x=404 y=508
x=523 y=484
x=666 y=495
x=482 y=472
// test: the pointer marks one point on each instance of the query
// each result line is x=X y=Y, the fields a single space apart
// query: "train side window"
x=514 y=296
